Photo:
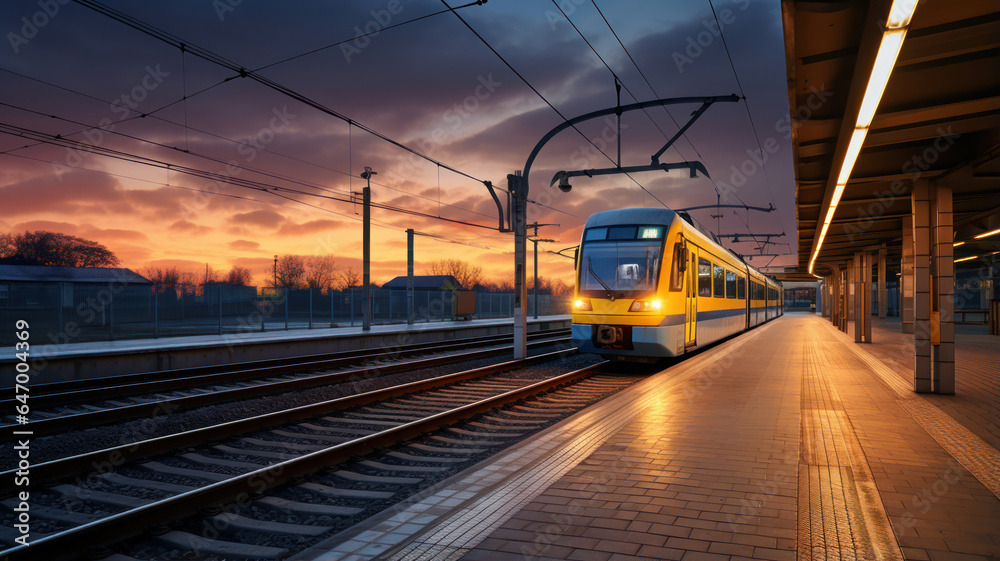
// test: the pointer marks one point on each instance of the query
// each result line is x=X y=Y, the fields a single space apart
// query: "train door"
x=691 y=299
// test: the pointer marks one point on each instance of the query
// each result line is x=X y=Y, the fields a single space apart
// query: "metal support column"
x=883 y=293
x=409 y=276
x=906 y=277
x=921 y=208
x=847 y=292
x=517 y=184
x=943 y=271
x=858 y=300
x=863 y=297
x=834 y=295
x=534 y=285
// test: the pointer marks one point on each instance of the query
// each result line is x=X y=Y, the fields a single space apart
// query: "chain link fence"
x=64 y=313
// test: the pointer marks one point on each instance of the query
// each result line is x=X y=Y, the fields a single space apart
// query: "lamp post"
x=275 y=272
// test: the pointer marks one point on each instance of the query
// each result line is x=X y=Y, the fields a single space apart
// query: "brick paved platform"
x=789 y=442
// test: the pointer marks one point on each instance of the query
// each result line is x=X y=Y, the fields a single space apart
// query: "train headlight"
x=645 y=306
x=582 y=305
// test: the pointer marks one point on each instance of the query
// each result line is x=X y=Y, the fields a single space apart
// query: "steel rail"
x=72 y=391
x=153 y=408
x=48 y=472
x=244 y=487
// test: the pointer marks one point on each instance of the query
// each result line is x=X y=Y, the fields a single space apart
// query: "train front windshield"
x=620 y=261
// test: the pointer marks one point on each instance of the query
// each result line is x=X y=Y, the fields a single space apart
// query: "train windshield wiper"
x=590 y=269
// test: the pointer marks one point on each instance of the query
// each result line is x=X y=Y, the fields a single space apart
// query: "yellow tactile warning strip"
x=981 y=459
x=840 y=512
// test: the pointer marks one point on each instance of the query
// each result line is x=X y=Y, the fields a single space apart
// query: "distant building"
x=425 y=282
x=39 y=286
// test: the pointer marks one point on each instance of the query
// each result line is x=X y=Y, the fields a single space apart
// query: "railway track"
x=320 y=468
x=61 y=406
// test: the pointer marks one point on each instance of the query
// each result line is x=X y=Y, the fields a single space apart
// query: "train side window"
x=741 y=288
x=704 y=278
x=730 y=284
x=719 y=281
x=677 y=267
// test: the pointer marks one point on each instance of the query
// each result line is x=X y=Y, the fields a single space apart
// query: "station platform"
x=788 y=442
x=74 y=361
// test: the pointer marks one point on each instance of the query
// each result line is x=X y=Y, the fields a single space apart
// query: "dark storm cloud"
x=432 y=85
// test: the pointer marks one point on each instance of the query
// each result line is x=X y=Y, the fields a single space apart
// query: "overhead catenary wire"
x=363 y=35
x=57 y=140
x=542 y=97
x=208 y=133
x=242 y=72
x=746 y=104
x=378 y=223
x=655 y=93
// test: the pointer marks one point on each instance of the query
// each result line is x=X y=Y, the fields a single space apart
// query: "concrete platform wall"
x=53 y=363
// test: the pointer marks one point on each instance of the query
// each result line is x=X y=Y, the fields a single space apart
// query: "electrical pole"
x=517 y=184
x=366 y=290
x=535 y=241
x=275 y=272
x=409 y=276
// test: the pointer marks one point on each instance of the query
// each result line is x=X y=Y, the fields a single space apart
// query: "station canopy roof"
x=938 y=119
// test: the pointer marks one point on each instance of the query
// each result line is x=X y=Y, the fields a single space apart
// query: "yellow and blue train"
x=654 y=283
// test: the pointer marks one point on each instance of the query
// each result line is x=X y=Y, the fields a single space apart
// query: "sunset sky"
x=431 y=85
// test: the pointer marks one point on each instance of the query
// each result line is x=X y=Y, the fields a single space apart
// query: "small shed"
x=425 y=282
x=40 y=286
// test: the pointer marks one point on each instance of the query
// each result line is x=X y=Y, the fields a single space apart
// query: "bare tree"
x=165 y=279
x=320 y=271
x=239 y=276
x=348 y=277
x=561 y=288
x=291 y=271
x=467 y=274
x=502 y=284
x=50 y=248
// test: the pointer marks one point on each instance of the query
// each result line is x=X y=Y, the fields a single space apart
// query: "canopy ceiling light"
x=888 y=51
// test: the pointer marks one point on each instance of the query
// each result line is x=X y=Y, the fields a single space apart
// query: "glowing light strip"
x=900 y=14
x=987 y=234
x=967 y=259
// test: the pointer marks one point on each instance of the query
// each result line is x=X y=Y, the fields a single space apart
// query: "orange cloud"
x=186 y=226
x=244 y=245
x=264 y=218
x=311 y=227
